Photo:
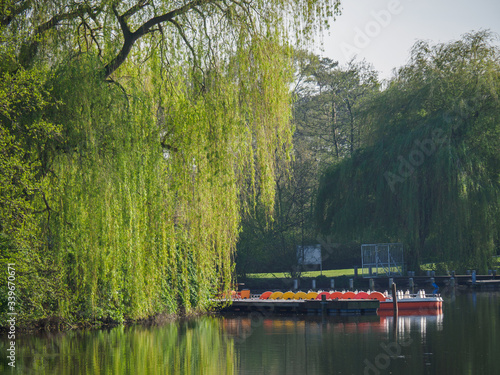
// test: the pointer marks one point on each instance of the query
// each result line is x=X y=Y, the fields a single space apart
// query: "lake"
x=464 y=339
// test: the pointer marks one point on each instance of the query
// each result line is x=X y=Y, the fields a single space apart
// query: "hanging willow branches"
x=430 y=175
x=133 y=131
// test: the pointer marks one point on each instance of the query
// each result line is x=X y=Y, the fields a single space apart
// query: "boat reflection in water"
x=241 y=327
x=304 y=344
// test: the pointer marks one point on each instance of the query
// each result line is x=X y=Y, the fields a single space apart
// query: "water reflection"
x=463 y=339
x=186 y=347
x=239 y=328
x=319 y=345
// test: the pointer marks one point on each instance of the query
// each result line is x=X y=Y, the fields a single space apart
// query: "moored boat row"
x=405 y=301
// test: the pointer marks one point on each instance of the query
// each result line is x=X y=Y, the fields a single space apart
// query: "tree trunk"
x=334 y=129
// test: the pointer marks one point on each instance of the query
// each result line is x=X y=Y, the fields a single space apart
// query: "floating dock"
x=330 y=303
x=485 y=284
x=312 y=307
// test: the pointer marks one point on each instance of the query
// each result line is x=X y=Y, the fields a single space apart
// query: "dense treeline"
x=416 y=160
x=133 y=134
x=328 y=101
x=429 y=173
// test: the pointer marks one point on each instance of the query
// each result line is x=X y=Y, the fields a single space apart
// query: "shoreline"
x=58 y=325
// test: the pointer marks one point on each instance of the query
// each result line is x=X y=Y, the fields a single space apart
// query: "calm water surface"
x=464 y=339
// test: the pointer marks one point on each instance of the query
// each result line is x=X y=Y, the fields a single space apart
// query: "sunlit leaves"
x=144 y=166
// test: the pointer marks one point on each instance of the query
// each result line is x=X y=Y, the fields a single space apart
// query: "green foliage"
x=126 y=165
x=429 y=176
x=266 y=246
x=322 y=90
x=329 y=106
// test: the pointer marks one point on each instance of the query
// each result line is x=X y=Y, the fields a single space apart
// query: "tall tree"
x=130 y=132
x=329 y=113
x=271 y=246
x=429 y=176
x=327 y=118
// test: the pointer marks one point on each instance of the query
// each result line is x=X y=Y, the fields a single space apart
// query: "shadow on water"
x=464 y=339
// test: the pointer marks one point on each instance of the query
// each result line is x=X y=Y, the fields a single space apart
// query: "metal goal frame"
x=382 y=259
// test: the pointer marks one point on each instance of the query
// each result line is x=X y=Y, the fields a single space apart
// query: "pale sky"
x=383 y=31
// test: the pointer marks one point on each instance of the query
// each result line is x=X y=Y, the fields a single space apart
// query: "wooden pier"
x=490 y=282
x=313 y=307
x=486 y=284
x=482 y=282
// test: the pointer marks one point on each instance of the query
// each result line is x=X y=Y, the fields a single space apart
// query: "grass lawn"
x=335 y=273
x=327 y=273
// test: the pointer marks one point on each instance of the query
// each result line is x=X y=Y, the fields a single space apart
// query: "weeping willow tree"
x=131 y=131
x=430 y=175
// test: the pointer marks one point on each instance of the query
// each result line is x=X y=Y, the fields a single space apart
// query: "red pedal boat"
x=413 y=302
